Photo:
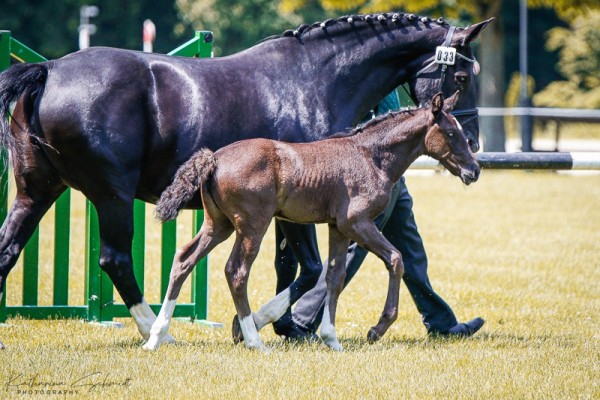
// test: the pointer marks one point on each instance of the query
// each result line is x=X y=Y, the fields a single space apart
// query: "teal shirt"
x=389 y=103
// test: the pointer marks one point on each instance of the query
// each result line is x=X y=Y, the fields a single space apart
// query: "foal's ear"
x=451 y=101
x=470 y=33
x=437 y=103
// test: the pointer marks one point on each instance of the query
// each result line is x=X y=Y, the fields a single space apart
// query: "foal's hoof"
x=236 y=331
x=2 y=346
x=373 y=336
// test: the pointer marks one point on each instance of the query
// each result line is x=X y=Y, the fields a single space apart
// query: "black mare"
x=117 y=124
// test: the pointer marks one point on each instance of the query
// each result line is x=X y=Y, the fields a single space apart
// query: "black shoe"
x=463 y=329
x=295 y=333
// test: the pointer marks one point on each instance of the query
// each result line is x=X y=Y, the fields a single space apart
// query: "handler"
x=398 y=225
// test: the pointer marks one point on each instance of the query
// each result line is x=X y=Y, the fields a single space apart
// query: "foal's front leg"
x=366 y=235
x=336 y=272
x=237 y=271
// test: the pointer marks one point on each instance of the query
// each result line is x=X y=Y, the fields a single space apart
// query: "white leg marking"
x=158 y=332
x=328 y=329
x=272 y=310
x=144 y=318
x=251 y=337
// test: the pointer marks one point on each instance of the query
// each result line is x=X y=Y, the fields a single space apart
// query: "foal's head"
x=445 y=141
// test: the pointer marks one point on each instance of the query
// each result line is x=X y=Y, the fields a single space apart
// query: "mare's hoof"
x=373 y=336
x=236 y=331
x=2 y=346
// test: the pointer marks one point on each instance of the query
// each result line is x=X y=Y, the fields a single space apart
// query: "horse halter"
x=446 y=55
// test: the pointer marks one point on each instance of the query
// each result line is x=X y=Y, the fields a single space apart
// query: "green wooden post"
x=4 y=64
x=62 y=235
x=168 y=248
x=200 y=277
x=93 y=273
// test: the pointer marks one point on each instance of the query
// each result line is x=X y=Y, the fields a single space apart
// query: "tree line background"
x=564 y=42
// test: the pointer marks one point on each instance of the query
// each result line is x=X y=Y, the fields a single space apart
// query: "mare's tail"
x=189 y=178
x=15 y=81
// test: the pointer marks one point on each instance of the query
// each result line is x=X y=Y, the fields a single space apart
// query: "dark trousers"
x=398 y=226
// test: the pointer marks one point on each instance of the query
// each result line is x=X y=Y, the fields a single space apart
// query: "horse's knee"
x=397 y=265
x=8 y=258
x=390 y=315
x=115 y=264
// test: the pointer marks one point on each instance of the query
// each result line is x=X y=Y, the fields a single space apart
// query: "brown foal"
x=345 y=181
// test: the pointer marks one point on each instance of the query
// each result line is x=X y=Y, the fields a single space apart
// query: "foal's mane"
x=349 y=22
x=398 y=116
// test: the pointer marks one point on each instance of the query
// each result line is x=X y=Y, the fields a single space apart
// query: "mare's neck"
x=395 y=142
x=367 y=60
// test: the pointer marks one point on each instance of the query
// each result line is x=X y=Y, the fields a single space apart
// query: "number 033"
x=445 y=55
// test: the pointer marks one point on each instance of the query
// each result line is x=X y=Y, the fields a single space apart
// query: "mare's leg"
x=19 y=225
x=212 y=233
x=115 y=217
x=38 y=186
x=366 y=235
x=336 y=272
x=286 y=268
x=302 y=241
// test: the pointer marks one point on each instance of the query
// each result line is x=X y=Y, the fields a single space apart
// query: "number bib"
x=445 y=55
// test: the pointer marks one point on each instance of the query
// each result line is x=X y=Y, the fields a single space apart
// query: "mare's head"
x=446 y=142
x=460 y=73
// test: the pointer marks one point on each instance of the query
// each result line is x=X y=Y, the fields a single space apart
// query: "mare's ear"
x=451 y=101
x=437 y=103
x=470 y=33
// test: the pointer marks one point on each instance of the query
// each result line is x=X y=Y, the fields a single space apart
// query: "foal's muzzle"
x=470 y=175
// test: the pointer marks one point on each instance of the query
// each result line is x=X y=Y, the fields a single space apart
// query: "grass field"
x=520 y=249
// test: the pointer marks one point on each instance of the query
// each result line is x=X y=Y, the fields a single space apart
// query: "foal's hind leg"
x=211 y=234
x=366 y=235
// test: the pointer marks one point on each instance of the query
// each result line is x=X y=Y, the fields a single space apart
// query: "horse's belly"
x=306 y=206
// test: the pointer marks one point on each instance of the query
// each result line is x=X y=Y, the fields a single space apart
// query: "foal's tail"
x=15 y=81
x=189 y=178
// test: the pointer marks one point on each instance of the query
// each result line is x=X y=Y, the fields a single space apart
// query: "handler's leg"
x=401 y=231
